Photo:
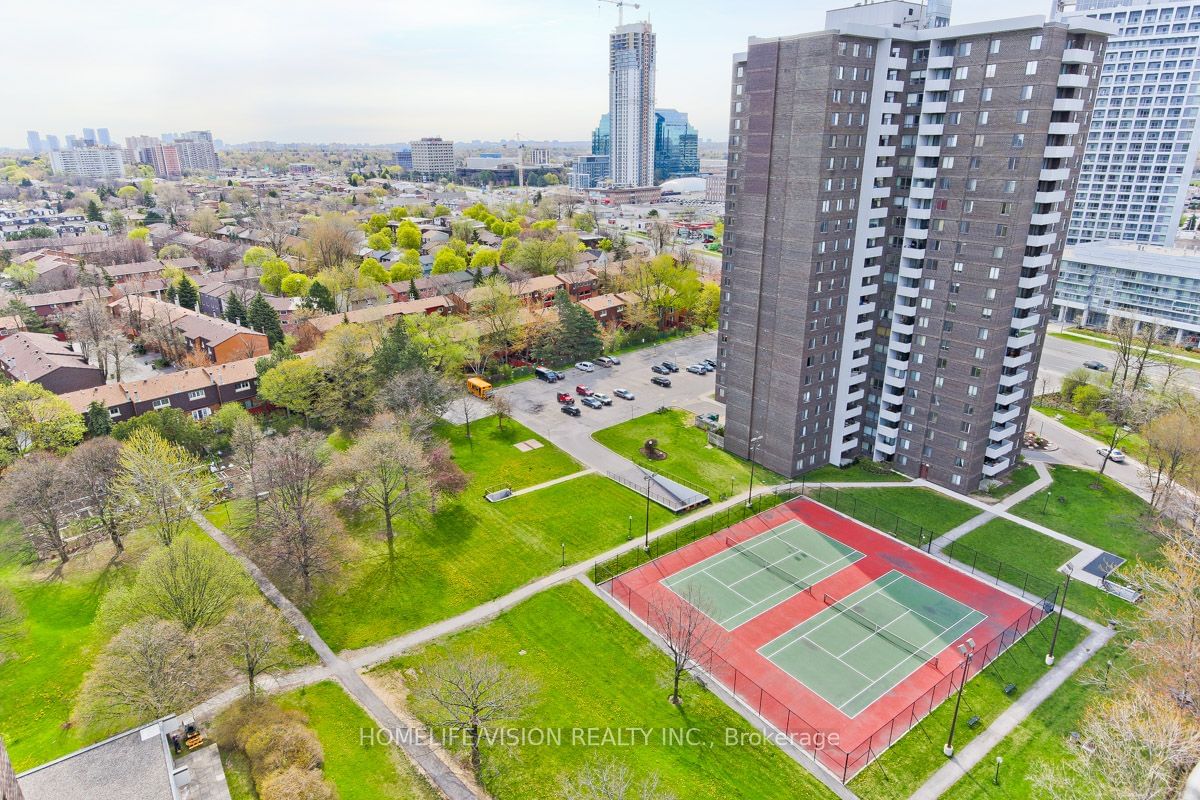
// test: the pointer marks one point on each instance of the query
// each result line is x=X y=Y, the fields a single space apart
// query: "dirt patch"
x=651 y=450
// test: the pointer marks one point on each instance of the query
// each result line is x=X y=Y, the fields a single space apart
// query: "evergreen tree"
x=32 y=320
x=495 y=270
x=96 y=420
x=188 y=293
x=172 y=293
x=94 y=213
x=477 y=278
x=396 y=353
x=235 y=310
x=319 y=297
x=413 y=294
x=263 y=318
x=579 y=333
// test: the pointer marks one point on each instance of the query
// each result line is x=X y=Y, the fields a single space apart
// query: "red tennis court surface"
x=845 y=739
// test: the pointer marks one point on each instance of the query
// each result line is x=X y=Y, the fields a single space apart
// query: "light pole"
x=1046 y=502
x=753 y=448
x=996 y=777
x=1107 y=669
x=968 y=653
x=648 y=476
x=1057 y=622
x=629 y=533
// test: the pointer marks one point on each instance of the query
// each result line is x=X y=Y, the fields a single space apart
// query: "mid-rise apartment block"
x=631 y=69
x=897 y=195
x=196 y=151
x=89 y=162
x=432 y=157
x=1143 y=138
x=34 y=141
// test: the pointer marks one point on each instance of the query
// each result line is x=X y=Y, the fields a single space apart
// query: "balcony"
x=915 y=253
x=917 y=233
x=1041 y=240
x=1033 y=301
x=889 y=108
x=1037 y=262
x=856 y=378
x=1014 y=379
x=1073 y=55
x=889 y=130
x=928 y=150
x=1060 y=151
x=1017 y=342
x=921 y=193
x=919 y=213
x=896 y=62
x=876 y=233
x=901 y=345
x=933 y=107
x=849 y=429
x=930 y=129
x=996 y=467
x=1035 y=282
x=856 y=396
x=894 y=381
x=873 y=252
x=893 y=86
x=902 y=328
x=866 y=308
x=892 y=416
x=871 y=271
x=885 y=446
x=1056 y=196
x=1002 y=433
x=880 y=191
x=1045 y=219
x=1004 y=417
x=940 y=62
x=912 y=273
x=860 y=362
x=1073 y=80
x=903 y=309
x=999 y=450
x=924 y=173
x=908 y=291
x=937 y=84
x=1054 y=175
x=884 y=172
x=1068 y=104
x=1063 y=128
x=1012 y=362
x=1008 y=398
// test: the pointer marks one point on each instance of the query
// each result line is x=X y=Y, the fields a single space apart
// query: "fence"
x=843 y=762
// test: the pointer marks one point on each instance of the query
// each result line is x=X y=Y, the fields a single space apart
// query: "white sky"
x=371 y=71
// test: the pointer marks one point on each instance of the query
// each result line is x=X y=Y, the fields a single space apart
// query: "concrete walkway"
x=970 y=756
x=439 y=773
x=554 y=482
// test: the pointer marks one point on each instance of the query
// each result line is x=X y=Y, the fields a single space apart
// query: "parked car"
x=659 y=369
x=585 y=366
x=571 y=410
x=1115 y=455
x=1096 y=365
x=603 y=398
x=565 y=397
x=592 y=402
x=615 y=361
x=708 y=362
x=670 y=366
x=661 y=381
x=624 y=394
x=607 y=361
x=547 y=375
x=698 y=369
x=582 y=390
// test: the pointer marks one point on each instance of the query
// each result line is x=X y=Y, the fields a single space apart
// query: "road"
x=1061 y=356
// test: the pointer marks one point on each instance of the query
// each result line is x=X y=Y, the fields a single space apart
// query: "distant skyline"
x=376 y=72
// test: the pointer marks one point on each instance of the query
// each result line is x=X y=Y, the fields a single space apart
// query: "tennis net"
x=854 y=616
x=773 y=568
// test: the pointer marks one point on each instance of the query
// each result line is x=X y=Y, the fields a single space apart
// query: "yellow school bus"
x=479 y=387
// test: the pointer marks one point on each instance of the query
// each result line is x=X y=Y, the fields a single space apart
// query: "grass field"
x=925 y=507
x=910 y=762
x=1179 y=355
x=237 y=775
x=690 y=457
x=472 y=551
x=1094 y=509
x=1018 y=479
x=360 y=770
x=1039 y=740
x=1039 y=555
x=594 y=671
x=861 y=471
x=1133 y=444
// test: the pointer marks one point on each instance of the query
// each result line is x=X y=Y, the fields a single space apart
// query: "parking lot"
x=535 y=406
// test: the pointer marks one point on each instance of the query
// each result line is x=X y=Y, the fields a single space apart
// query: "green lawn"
x=473 y=551
x=360 y=770
x=690 y=458
x=906 y=765
x=931 y=510
x=861 y=471
x=594 y=671
x=1017 y=480
x=1094 y=509
x=1041 y=739
x=1020 y=549
x=1182 y=357
x=237 y=775
x=1133 y=444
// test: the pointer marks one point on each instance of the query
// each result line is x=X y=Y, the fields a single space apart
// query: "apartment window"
x=964 y=49
x=983 y=117
x=1014 y=163
x=163 y=402
x=956 y=480
x=196 y=394
x=972 y=184
x=1023 y=116
x=1002 y=230
x=989 y=71
x=1018 y=140
x=979 y=140
x=968 y=206
x=957 y=96
x=997 y=252
x=1010 y=187
x=1030 y=68
x=986 y=95
x=740 y=71
x=994 y=273
x=981 y=334
x=244 y=386
x=1004 y=209
x=1035 y=42
x=1027 y=91
x=737 y=89
x=114 y=412
x=979 y=353
x=960 y=74
x=994 y=47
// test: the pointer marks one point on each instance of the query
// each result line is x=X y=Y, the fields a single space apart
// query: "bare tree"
x=660 y=234
x=389 y=470
x=247 y=441
x=473 y=692
x=146 y=672
x=609 y=779
x=253 y=639
x=446 y=478
x=296 y=532
x=419 y=397
x=35 y=492
x=276 y=227
x=466 y=405
x=1172 y=452
x=191 y=582
x=688 y=632
x=95 y=465
x=503 y=409
x=11 y=618
x=161 y=484
x=1127 y=410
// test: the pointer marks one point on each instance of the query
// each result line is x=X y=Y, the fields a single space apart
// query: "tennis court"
x=747 y=579
x=859 y=648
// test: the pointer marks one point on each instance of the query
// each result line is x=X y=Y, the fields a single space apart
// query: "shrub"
x=294 y=783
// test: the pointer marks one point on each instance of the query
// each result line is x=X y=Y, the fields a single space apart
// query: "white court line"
x=790 y=591
x=878 y=589
x=834 y=614
x=729 y=553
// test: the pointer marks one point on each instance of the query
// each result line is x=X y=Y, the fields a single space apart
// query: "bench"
x=973 y=722
x=1009 y=688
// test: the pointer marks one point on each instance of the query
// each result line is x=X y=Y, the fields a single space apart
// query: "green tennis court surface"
x=748 y=579
x=857 y=649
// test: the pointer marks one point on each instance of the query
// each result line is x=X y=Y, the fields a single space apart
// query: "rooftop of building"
x=1176 y=261
x=30 y=356
x=135 y=765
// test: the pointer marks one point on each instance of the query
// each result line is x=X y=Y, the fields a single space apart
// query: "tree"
x=388 y=471
x=660 y=234
x=262 y=317
x=116 y=221
x=94 y=213
x=609 y=779
x=1127 y=410
x=294 y=384
x=191 y=582
x=502 y=408
x=447 y=261
x=35 y=491
x=1172 y=453
x=1087 y=398
x=187 y=293
x=295 y=536
x=173 y=424
x=161 y=485
x=33 y=418
x=708 y=306
x=253 y=639
x=204 y=222
x=372 y=269
x=1072 y=381
x=146 y=672
x=442 y=341
x=274 y=271
x=408 y=236
x=320 y=298
x=404 y=270
x=348 y=395
x=296 y=284
x=171 y=251
x=256 y=256
x=485 y=257
x=419 y=395
x=473 y=692
x=97 y=420
x=688 y=633
x=126 y=194
x=235 y=309
x=246 y=439
x=379 y=241
x=95 y=466
x=497 y=314
x=396 y=353
x=330 y=240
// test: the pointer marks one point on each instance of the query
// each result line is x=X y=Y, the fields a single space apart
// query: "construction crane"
x=620 y=4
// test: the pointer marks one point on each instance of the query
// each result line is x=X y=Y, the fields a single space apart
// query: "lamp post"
x=967 y=649
x=1046 y=502
x=564 y=554
x=629 y=533
x=1057 y=622
x=1107 y=669
x=647 y=545
x=753 y=448
x=996 y=777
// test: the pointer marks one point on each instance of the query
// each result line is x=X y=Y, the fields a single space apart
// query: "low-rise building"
x=211 y=338
x=45 y=360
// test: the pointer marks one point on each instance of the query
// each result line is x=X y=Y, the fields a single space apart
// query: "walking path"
x=544 y=484
x=438 y=772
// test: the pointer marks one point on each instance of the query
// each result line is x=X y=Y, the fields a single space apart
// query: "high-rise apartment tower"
x=631 y=54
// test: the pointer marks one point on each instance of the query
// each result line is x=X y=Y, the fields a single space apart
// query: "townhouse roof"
x=191 y=324
x=387 y=311
x=32 y=356
x=602 y=302
x=165 y=384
